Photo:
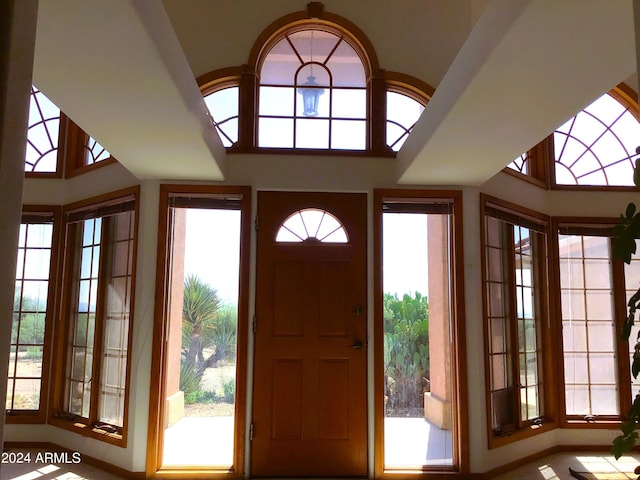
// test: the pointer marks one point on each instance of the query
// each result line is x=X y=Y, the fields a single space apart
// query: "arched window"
x=94 y=152
x=313 y=85
x=520 y=164
x=312 y=225
x=403 y=112
x=597 y=145
x=594 y=148
x=312 y=93
x=223 y=105
x=42 y=135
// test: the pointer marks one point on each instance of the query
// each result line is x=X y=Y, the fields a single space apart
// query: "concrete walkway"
x=208 y=441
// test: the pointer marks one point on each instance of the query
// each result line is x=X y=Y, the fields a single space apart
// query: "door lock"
x=357 y=310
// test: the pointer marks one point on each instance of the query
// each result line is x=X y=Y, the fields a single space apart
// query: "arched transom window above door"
x=312 y=225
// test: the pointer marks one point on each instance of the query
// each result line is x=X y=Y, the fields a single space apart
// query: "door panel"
x=309 y=411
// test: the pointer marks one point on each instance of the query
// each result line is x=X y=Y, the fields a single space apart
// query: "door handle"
x=357 y=345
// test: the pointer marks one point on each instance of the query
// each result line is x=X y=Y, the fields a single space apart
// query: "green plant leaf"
x=631 y=210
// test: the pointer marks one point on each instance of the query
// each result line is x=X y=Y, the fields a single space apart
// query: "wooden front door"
x=309 y=401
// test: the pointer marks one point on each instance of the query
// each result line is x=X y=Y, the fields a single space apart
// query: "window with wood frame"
x=596 y=148
x=45 y=132
x=313 y=93
x=223 y=104
x=201 y=311
x=92 y=371
x=403 y=112
x=516 y=320
x=32 y=311
x=56 y=144
x=313 y=84
x=419 y=402
x=597 y=379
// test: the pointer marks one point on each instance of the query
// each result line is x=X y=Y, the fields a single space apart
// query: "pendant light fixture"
x=310 y=91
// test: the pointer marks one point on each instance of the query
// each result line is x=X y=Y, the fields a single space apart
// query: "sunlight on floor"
x=547 y=472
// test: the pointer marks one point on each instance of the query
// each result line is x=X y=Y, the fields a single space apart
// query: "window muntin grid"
x=43 y=133
x=312 y=225
x=223 y=106
x=588 y=331
x=403 y=113
x=632 y=283
x=29 y=316
x=94 y=152
x=101 y=289
x=513 y=324
x=597 y=145
x=520 y=164
x=317 y=60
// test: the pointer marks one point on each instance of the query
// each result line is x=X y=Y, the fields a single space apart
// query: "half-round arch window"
x=313 y=93
x=597 y=145
x=312 y=225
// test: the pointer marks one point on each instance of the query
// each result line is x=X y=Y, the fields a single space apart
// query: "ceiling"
x=506 y=72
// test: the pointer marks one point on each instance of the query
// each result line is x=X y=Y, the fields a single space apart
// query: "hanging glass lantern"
x=310 y=96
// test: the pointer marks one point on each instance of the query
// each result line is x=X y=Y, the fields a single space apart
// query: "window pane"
x=349 y=103
x=588 y=326
x=511 y=274
x=348 y=135
x=312 y=133
x=29 y=316
x=119 y=251
x=275 y=133
x=42 y=134
x=200 y=383
x=276 y=101
x=597 y=145
x=94 y=152
x=402 y=114
x=417 y=425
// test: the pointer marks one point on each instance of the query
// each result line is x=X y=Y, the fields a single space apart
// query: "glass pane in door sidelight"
x=200 y=373
x=417 y=353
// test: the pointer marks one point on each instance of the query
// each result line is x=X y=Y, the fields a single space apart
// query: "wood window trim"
x=378 y=81
x=459 y=387
x=628 y=99
x=75 y=153
x=155 y=436
x=57 y=417
x=539 y=165
x=39 y=416
x=591 y=226
x=63 y=131
x=550 y=417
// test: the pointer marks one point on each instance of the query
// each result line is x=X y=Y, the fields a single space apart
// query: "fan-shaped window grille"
x=402 y=114
x=223 y=107
x=312 y=225
x=94 y=152
x=520 y=164
x=597 y=145
x=42 y=134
